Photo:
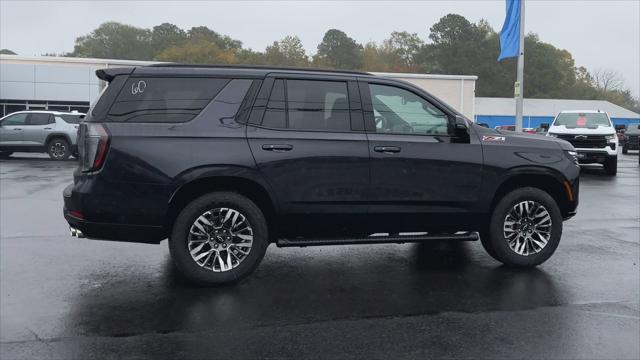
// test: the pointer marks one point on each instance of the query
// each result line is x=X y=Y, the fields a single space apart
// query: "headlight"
x=572 y=155
x=610 y=136
x=552 y=134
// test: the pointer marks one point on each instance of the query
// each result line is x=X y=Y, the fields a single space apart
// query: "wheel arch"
x=192 y=189
x=548 y=180
x=57 y=135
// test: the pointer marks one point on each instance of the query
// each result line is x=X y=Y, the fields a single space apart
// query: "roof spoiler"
x=110 y=73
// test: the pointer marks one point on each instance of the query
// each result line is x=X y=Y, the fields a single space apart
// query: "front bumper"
x=590 y=156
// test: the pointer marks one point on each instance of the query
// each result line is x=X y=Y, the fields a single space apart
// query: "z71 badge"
x=493 y=138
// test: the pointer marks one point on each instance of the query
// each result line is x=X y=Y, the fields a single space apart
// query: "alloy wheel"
x=220 y=239
x=58 y=150
x=527 y=228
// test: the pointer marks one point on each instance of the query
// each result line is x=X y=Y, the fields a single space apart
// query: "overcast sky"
x=599 y=34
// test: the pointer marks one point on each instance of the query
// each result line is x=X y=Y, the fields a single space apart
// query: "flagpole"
x=519 y=88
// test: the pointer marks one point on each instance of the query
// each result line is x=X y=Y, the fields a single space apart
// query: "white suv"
x=591 y=133
x=52 y=132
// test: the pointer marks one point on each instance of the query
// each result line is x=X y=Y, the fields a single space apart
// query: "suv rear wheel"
x=58 y=149
x=525 y=228
x=219 y=238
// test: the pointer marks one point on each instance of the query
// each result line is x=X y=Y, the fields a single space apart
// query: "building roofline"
x=76 y=60
x=425 y=76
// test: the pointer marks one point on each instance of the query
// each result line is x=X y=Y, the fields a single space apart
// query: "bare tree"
x=607 y=80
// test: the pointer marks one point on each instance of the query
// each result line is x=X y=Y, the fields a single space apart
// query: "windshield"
x=634 y=129
x=582 y=120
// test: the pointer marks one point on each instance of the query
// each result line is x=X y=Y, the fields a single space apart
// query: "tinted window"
x=38 y=119
x=275 y=114
x=398 y=111
x=318 y=105
x=164 y=99
x=582 y=120
x=72 y=119
x=15 y=120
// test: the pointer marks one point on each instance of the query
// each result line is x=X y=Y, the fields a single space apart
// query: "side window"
x=318 y=105
x=38 y=119
x=275 y=114
x=164 y=99
x=398 y=111
x=15 y=120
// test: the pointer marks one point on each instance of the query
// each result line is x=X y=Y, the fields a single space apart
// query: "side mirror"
x=461 y=129
x=544 y=126
x=483 y=125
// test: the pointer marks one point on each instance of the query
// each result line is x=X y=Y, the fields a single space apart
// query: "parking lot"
x=63 y=297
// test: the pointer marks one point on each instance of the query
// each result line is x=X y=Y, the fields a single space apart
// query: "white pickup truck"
x=591 y=133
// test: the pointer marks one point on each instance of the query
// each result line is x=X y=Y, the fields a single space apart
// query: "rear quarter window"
x=162 y=100
x=71 y=119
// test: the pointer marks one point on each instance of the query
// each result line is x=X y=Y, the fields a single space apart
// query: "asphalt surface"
x=76 y=298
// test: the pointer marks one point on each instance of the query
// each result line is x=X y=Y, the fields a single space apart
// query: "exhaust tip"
x=76 y=233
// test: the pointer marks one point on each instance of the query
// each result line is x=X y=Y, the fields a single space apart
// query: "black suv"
x=224 y=161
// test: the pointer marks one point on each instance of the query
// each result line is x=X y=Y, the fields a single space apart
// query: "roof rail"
x=259 y=67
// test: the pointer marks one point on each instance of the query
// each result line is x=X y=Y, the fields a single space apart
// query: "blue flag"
x=510 y=33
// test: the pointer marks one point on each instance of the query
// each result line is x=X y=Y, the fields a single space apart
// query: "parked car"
x=51 y=132
x=592 y=134
x=224 y=161
x=631 y=138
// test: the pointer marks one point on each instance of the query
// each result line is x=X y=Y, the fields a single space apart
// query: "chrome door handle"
x=387 y=149
x=277 y=147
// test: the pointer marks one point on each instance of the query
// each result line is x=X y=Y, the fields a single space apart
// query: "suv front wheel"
x=219 y=238
x=525 y=228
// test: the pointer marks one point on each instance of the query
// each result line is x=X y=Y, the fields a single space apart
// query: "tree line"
x=454 y=46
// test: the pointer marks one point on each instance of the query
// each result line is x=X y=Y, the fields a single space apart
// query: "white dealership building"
x=67 y=83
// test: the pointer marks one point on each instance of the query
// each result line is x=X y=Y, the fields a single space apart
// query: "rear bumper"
x=73 y=213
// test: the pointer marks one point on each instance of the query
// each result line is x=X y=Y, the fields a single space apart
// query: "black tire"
x=178 y=241
x=58 y=149
x=611 y=165
x=5 y=154
x=625 y=150
x=497 y=244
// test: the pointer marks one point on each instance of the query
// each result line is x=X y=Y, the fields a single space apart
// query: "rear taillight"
x=93 y=146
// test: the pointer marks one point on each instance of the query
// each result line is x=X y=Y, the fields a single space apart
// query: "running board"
x=397 y=239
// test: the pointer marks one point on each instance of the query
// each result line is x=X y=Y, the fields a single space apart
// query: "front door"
x=308 y=140
x=421 y=175
x=12 y=128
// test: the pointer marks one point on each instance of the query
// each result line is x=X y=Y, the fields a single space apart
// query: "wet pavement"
x=75 y=298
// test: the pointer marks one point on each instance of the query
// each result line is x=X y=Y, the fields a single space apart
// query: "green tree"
x=198 y=51
x=339 y=51
x=405 y=47
x=165 y=35
x=113 y=40
x=7 y=52
x=224 y=42
x=286 y=52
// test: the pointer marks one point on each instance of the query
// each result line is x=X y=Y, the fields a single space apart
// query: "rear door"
x=307 y=136
x=39 y=125
x=418 y=168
